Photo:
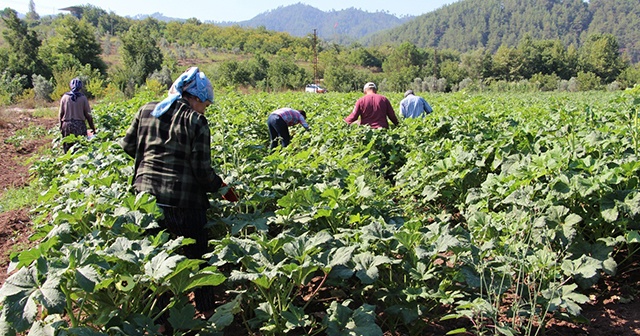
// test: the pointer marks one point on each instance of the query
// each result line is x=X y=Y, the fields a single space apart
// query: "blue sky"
x=230 y=10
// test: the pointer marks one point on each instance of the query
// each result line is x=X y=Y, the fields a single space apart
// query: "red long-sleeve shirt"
x=373 y=110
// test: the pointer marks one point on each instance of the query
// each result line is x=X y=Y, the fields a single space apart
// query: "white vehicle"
x=315 y=88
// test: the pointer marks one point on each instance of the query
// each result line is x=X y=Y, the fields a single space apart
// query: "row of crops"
x=490 y=216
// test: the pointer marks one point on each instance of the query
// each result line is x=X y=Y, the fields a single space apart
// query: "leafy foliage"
x=495 y=209
x=22 y=58
x=73 y=45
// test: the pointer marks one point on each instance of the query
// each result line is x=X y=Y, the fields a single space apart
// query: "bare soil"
x=613 y=310
x=15 y=225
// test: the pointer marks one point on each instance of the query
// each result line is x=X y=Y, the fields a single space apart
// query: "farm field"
x=496 y=214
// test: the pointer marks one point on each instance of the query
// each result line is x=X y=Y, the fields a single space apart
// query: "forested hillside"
x=118 y=55
x=620 y=18
x=472 y=24
x=338 y=26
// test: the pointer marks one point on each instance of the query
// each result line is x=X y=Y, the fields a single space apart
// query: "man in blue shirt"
x=413 y=106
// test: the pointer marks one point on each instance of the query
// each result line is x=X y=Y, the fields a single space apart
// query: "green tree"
x=140 y=50
x=506 y=64
x=363 y=57
x=630 y=76
x=258 y=68
x=74 y=42
x=342 y=78
x=233 y=73
x=452 y=72
x=404 y=56
x=284 y=74
x=32 y=14
x=477 y=63
x=530 y=57
x=402 y=66
x=114 y=24
x=22 y=56
x=600 y=55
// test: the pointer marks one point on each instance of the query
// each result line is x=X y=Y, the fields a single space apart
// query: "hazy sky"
x=230 y=10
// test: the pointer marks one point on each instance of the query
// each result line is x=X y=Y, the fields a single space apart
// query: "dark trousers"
x=189 y=223
x=75 y=127
x=278 y=128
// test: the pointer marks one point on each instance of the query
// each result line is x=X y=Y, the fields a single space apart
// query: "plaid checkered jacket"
x=172 y=155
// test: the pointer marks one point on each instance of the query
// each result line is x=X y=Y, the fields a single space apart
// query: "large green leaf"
x=182 y=318
x=22 y=294
x=162 y=265
x=342 y=321
x=585 y=266
x=224 y=314
x=206 y=277
x=87 y=277
x=609 y=209
x=366 y=266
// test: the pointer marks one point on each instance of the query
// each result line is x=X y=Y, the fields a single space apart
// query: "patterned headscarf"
x=192 y=81
x=76 y=86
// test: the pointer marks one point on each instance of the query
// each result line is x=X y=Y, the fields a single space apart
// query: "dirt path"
x=15 y=225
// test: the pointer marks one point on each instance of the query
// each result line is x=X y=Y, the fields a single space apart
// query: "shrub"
x=545 y=82
x=573 y=85
x=95 y=87
x=163 y=77
x=11 y=87
x=113 y=93
x=588 y=81
x=563 y=85
x=42 y=88
x=614 y=86
x=155 y=86
x=26 y=99
x=62 y=79
x=417 y=84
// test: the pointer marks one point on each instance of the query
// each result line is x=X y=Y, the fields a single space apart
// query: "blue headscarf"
x=76 y=86
x=192 y=81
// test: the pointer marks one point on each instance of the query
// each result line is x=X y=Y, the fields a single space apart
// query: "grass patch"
x=45 y=112
x=19 y=198
x=29 y=133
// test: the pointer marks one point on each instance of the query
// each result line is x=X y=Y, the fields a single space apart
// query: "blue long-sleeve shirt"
x=414 y=106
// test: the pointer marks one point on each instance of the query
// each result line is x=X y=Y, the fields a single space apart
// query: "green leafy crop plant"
x=494 y=212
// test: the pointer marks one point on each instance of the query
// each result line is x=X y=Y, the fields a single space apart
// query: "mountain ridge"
x=345 y=25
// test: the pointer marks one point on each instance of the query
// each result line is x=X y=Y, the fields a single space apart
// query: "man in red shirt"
x=372 y=109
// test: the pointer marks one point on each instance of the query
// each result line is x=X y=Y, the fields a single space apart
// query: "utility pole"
x=315 y=57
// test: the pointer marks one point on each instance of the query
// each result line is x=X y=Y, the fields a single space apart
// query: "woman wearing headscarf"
x=74 y=112
x=170 y=142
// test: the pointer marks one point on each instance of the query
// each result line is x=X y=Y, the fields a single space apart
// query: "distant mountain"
x=157 y=16
x=338 y=26
x=471 y=24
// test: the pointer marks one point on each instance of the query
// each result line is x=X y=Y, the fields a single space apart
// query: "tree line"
x=116 y=55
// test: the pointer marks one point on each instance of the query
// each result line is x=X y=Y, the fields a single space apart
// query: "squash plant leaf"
x=296 y=318
x=224 y=315
x=609 y=209
x=363 y=190
x=633 y=237
x=366 y=266
x=87 y=277
x=207 y=277
x=341 y=320
x=22 y=293
x=161 y=266
x=181 y=318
